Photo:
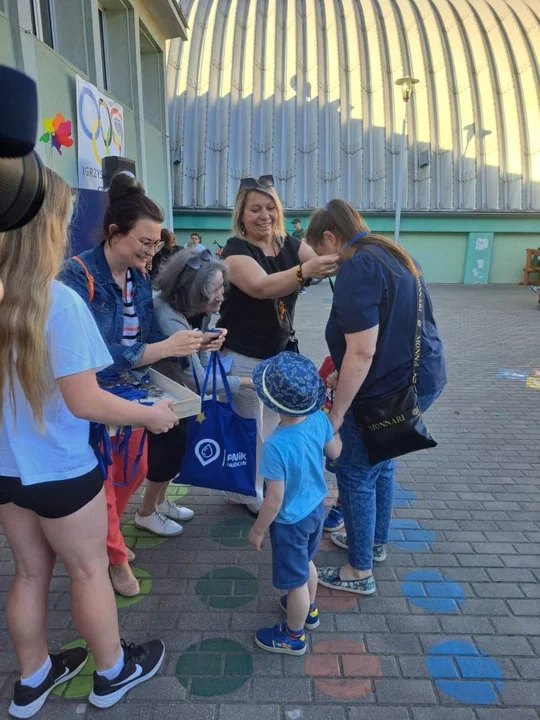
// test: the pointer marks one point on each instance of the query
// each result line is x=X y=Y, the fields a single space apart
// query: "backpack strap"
x=89 y=278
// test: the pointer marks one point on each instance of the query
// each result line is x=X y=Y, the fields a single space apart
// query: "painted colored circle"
x=465 y=673
x=138 y=539
x=177 y=492
x=410 y=536
x=432 y=591
x=232 y=532
x=403 y=498
x=80 y=686
x=342 y=670
x=216 y=666
x=226 y=588
x=145 y=582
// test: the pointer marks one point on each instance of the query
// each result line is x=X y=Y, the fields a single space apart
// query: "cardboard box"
x=185 y=403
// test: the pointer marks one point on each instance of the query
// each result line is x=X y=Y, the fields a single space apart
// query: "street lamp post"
x=407 y=84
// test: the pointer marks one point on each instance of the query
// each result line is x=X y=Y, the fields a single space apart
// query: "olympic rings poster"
x=100 y=125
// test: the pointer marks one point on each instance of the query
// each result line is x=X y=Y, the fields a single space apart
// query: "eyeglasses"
x=251 y=183
x=197 y=260
x=148 y=246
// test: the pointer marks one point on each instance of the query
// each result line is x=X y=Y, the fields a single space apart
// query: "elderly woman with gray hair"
x=189 y=290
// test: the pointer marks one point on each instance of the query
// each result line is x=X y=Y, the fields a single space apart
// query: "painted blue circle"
x=432 y=591
x=465 y=673
x=410 y=536
x=403 y=498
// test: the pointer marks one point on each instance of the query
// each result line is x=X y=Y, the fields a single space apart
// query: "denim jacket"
x=107 y=305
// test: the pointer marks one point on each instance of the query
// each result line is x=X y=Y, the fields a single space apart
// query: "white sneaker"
x=174 y=511
x=158 y=524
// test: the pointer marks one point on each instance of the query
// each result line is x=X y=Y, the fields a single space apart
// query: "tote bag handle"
x=215 y=362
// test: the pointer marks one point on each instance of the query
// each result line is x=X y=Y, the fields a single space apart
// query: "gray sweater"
x=170 y=322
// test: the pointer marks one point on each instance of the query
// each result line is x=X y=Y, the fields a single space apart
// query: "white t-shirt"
x=60 y=451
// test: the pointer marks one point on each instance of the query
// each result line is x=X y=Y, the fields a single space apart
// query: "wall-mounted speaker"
x=113 y=165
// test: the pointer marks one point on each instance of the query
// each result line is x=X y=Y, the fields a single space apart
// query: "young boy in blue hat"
x=292 y=463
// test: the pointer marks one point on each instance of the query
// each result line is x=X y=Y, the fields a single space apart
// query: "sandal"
x=329 y=577
x=130 y=555
x=126 y=588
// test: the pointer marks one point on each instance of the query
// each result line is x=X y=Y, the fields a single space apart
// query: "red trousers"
x=118 y=495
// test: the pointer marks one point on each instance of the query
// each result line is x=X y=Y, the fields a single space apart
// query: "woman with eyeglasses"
x=113 y=280
x=166 y=250
x=189 y=290
x=267 y=269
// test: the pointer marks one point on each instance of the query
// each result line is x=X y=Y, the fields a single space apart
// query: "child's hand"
x=256 y=538
x=332 y=380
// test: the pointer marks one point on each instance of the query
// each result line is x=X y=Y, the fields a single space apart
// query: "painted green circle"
x=216 y=666
x=135 y=538
x=227 y=588
x=145 y=581
x=232 y=532
x=177 y=492
x=138 y=539
x=174 y=492
x=80 y=686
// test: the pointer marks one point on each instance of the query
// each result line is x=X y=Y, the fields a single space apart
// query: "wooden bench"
x=532 y=265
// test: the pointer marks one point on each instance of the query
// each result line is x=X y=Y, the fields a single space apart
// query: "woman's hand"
x=320 y=266
x=213 y=341
x=336 y=421
x=161 y=418
x=246 y=382
x=183 y=343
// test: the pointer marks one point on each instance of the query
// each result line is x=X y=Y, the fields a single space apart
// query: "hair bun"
x=122 y=185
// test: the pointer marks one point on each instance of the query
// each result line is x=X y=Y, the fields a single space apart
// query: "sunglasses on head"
x=197 y=260
x=251 y=183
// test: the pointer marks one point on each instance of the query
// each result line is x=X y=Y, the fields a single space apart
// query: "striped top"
x=132 y=329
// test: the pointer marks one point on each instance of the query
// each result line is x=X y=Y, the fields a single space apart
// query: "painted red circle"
x=342 y=670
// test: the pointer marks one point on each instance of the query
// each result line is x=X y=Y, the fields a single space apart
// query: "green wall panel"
x=56 y=94
x=441 y=256
x=7 y=56
x=156 y=169
x=508 y=259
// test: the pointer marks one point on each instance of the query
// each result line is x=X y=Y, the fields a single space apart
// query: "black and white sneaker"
x=141 y=662
x=28 y=701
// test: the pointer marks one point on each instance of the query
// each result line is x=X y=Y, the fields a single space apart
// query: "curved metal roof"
x=305 y=89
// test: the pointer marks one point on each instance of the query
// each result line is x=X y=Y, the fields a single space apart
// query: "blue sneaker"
x=312 y=620
x=334 y=520
x=276 y=640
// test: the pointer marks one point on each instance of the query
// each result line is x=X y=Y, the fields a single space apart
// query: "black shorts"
x=56 y=499
x=166 y=452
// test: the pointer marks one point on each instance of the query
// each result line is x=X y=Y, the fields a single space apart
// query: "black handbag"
x=393 y=426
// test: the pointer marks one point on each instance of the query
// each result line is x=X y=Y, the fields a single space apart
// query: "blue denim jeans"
x=366 y=493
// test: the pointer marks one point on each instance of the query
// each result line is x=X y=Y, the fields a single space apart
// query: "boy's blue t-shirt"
x=295 y=455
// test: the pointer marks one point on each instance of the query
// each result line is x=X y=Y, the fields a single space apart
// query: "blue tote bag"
x=221 y=451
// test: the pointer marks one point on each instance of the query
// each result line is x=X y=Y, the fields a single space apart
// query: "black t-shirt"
x=256 y=328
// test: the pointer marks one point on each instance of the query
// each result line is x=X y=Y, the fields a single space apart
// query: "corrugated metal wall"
x=304 y=89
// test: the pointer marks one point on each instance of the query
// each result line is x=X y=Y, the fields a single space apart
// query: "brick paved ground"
x=454 y=631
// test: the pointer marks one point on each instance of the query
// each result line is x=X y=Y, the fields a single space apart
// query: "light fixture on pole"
x=407 y=84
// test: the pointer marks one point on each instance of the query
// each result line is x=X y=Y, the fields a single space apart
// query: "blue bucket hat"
x=289 y=384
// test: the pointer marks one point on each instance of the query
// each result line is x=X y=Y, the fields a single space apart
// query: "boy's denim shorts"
x=293 y=546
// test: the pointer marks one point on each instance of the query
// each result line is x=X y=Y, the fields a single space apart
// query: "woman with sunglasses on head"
x=189 y=290
x=52 y=502
x=267 y=268
x=113 y=280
